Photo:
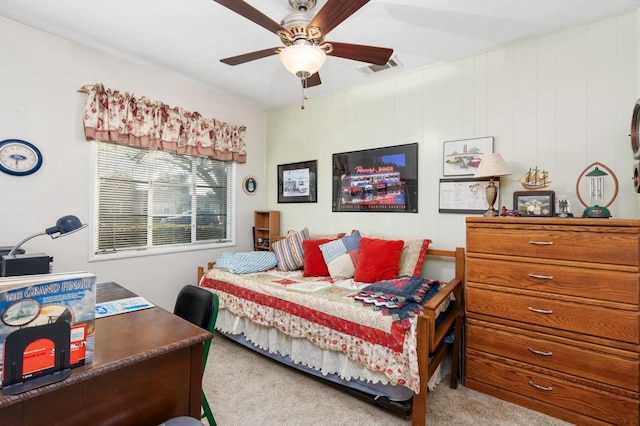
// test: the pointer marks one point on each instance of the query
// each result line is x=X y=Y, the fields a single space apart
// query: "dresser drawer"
x=608 y=323
x=534 y=348
x=567 y=244
x=500 y=373
x=596 y=284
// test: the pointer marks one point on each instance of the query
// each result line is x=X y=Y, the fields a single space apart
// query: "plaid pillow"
x=341 y=256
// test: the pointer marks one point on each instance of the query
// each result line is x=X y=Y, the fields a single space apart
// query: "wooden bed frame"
x=431 y=350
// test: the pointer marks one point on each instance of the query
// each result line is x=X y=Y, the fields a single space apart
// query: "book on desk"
x=49 y=322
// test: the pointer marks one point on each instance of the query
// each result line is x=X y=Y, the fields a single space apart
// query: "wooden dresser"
x=552 y=315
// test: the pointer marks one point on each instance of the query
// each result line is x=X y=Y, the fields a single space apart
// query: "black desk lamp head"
x=64 y=226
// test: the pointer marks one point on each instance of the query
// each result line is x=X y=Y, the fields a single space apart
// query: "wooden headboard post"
x=431 y=337
x=459 y=255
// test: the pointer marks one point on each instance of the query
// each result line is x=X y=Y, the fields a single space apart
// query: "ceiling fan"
x=302 y=35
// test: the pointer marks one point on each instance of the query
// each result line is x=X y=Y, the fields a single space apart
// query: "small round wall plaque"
x=249 y=185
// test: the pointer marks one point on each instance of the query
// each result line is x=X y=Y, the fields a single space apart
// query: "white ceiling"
x=187 y=38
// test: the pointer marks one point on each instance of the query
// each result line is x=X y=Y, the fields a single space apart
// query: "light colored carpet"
x=244 y=388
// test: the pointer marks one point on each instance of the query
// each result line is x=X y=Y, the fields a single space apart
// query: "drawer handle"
x=540 y=311
x=542 y=243
x=544 y=388
x=543 y=277
x=540 y=352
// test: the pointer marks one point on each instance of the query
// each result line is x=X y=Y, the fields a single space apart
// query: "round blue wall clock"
x=19 y=158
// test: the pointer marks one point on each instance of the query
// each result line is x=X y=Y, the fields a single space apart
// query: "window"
x=147 y=199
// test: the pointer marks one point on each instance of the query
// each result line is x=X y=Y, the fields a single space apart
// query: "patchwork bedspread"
x=326 y=313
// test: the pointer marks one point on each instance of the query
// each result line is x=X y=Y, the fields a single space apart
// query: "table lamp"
x=492 y=165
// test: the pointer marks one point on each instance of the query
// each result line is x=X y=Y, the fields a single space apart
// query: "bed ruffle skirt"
x=303 y=354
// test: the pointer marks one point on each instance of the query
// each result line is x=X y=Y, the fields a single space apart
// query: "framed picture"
x=462 y=157
x=534 y=203
x=562 y=207
x=376 y=180
x=465 y=195
x=297 y=182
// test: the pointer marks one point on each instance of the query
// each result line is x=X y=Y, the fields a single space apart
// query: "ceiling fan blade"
x=359 y=52
x=334 y=12
x=313 y=80
x=248 y=57
x=243 y=8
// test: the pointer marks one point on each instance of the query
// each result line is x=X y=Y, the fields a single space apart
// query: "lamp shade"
x=302 y=60
x=492 y=165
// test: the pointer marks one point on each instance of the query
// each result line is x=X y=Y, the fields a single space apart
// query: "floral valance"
x=121 y=118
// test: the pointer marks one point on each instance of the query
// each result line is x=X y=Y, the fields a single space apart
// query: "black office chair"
x=200 y=307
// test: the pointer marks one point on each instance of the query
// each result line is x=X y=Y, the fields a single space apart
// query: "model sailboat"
x=535 y=179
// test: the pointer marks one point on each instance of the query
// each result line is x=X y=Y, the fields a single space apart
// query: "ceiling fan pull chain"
x=304 y=85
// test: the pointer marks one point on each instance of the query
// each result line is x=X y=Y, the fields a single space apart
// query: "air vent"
x=372 y=69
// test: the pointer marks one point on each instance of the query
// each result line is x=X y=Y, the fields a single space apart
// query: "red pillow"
x=314 y=264
x=378 y=260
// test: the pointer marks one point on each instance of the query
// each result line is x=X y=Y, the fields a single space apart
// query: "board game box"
x=36 y=300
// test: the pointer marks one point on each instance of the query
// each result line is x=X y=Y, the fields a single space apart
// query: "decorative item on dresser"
x=492 y=166
x=552 y=315
x=596 y=189
x=266 y=226
x=535 y=179
x=534 y=203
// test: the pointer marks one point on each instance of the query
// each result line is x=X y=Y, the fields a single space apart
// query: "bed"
x=339 y=328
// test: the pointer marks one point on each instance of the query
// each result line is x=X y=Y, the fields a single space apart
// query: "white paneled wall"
x=560 y=102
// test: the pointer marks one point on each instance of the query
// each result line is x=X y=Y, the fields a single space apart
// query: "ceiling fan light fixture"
x=302 y=60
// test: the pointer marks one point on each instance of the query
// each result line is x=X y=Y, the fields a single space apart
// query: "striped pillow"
x=289 y=251
x=246 y=262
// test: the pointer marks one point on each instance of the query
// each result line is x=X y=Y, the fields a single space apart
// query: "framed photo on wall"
x=465 y=195
x=462 y=157
x=297 y=182
x=376 y=180
x=534 y=203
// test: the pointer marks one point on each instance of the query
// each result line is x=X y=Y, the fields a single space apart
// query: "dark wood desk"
x=147 y=368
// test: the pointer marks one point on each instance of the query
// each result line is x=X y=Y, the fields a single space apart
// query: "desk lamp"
x=492 y=165
x=25 y=264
